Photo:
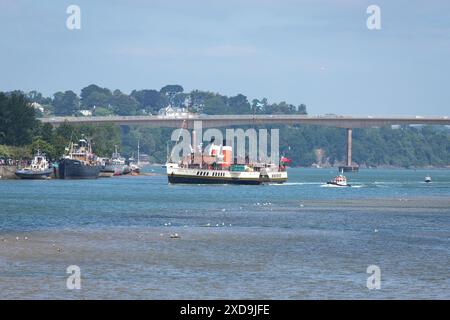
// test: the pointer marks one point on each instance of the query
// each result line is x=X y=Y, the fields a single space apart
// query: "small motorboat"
x=39 y=168
x=339 y=181
x=427 y=179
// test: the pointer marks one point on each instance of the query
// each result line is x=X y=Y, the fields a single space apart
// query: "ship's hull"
x=106 y=173
x=74 y=169
x=330 y=183
x=200 y=180
x=202 y=176
x=115 y=169
x=34 y=175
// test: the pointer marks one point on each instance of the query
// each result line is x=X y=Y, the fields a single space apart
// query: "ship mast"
x=138 y=156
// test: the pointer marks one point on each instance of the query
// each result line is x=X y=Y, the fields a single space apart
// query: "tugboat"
x=79 y=163
x=39 y=168
x=116 y=166
x=214 y=166
x=135 y=167
x=339 y=181
x=107 y=171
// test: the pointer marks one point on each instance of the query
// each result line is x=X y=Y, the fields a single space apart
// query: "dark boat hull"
x=209 y=180
x=34 y=175
x=74 y=169
x=338 y=185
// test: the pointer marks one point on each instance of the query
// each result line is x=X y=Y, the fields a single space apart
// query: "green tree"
x=17 y=120
x=35 y=96
x=171 y=89
x=94 y=95
x=66 y=104
x=301 y=109
x=150 y=100
x=124 y=105
x=215 y=104
x=46 y=132
x=239 y=105
x=43 y=146
x=102 y=112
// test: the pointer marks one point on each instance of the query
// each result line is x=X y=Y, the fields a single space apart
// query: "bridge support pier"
x=349 y=147
x=349 y=167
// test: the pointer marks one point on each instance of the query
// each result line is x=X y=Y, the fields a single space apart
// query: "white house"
x=86 y=113
x=37 y=106
x=170 y=111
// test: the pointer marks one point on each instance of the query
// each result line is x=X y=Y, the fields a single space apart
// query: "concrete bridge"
x=215 y=121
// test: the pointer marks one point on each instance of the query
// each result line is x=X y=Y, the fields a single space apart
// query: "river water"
x=300 y=240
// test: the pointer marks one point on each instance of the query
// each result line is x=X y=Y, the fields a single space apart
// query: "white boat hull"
x=209 y=176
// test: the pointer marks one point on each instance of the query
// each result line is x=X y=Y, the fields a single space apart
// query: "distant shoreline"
x=361 y=167
x=384 y=167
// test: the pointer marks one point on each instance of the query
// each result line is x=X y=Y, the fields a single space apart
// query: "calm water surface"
x=299 y=240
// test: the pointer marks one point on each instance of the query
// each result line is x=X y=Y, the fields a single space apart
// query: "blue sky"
x=315 y=52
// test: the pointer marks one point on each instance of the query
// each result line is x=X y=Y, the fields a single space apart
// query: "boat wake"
x=342 y=187
x=294 y=183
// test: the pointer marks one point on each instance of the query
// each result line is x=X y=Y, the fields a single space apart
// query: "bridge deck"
x=233 y=120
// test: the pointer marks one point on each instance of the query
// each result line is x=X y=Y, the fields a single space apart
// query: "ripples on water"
x=291 y=241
